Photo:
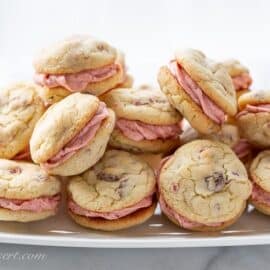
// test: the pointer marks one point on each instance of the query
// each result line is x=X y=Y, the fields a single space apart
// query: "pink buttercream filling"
x=242 y=81
x=138 y=131
x=75 y=208
x=182 y=221
x=254 y=109
x=76 y=82
x=260 y=195
x=34 y=205
x=23 y=155
x=242 y=148
x=196 y=93
x=80 y=140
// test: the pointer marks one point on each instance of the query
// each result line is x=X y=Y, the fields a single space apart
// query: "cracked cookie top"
x=25 y=181
x=260 y=169
x=74 y=54
x=118 y=181
x=60 y=123
x=145 y=104
x=20 y=109
x=205 y=182
x=211 y=76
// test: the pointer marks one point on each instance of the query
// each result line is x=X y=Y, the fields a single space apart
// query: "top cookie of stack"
x=80 y=64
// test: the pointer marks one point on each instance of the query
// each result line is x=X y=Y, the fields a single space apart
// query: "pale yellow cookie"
x=204 y=182
x=20 y=109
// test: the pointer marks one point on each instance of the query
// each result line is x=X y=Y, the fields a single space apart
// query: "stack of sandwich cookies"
x=240 y=76
x=27 y=192
x=200 y=89
x=20 y=109
x=203 y=186
x=80 y=64
x=146 y=122
x=117 y=193
x=254 y=116
x=259 y=173
x=72 y=135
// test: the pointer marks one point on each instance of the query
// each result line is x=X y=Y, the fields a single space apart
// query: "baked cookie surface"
x=119 y=180
x=20 y=109
x=204 y=182
x=74 y=54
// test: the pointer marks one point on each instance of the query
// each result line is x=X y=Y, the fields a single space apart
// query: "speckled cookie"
x=27 y=192
x=260 y=175
x=200 y=89
x=203 y=186
x=20 y=109
x=253 y=118
x=146 y=122
x=118 y=192
x=240 y=76
x=80 y=64
x=72 y=135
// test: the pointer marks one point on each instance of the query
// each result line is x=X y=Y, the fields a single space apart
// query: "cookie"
x=117 y=193
x=203 y=186
x=254 y=115
x=240 y=76
x=228 y=134
x=72 y=135
x=259 y=173
x=146 y=122
x=80 y=64
x=200 y=89
x=27 y=192
x=20 y=109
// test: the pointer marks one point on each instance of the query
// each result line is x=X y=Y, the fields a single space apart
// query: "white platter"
x=252 y=229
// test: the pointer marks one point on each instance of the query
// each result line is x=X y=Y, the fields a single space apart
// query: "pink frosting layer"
x=254 y=109
x=182 y=221
x=242 y=148
x=196 y=93
x=80 y=140
x=24 y=155
x=75 y=208
x=138 y=131
x=242 y=81
x=34 y=205
x=76 y=82
x=260 y=195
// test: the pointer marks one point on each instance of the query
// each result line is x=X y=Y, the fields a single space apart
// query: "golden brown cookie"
x=27 y=192
x=200 y=89
x=72 y=135
x=202 y=185
x=80 y=64
x=20 y=109
x=118 y=192
x=146 y=122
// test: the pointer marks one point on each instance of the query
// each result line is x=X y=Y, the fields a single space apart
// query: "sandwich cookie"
x=80 y=64
x=259 y=173
x=253 y=118
x=72 y=135
x=27 y=192
x=228 y=134
x=20 y=109
x=203 y=186
x=200 y=89
x=146 y=122
x=117 y=193
x=240 y=76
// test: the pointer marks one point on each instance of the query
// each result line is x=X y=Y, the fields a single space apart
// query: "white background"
x=148 y=32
